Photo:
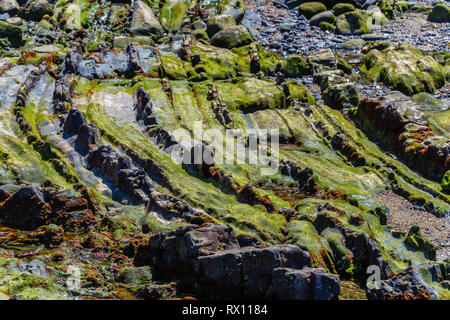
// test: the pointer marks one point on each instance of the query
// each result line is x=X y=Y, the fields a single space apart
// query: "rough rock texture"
x=341 y=95
x=353 y=22
x=31 y=207
x=9 y=6
x=402 y=126
x=11 y=32
x=440 y=13
x=219 y=23
x=144 y=21
x=219 y=268
x=36 y=9
x=405 y=68
x=232 y=37
x=409 y=284
x=95 y=96
x=310 y=9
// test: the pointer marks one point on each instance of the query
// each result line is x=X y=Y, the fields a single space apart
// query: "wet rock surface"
x=100 y=107
x=221 y=269
x=408 y=285
x=401 y=125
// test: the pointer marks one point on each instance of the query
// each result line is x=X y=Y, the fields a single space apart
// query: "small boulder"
x=290 y=284
x=445 y=183
x=219 y=23
x=11 y=32
x=353 y=22
x=295 y=67
x=75 y=119
x=9 y=6
x=440 y=13
x=53 y=236
x=405 y=285
x=342 y=95
x=134 y=275
x=88 y=136
x=342 y=8
x=294 y=3
x=23 y=210
x=310 y=9
x=325 y=16
x=415 y=240
x=429 y=103
x=36 y=9
x=144 y=21
x=232 y=37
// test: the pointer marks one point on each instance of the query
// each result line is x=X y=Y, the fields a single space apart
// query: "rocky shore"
x=98 y=201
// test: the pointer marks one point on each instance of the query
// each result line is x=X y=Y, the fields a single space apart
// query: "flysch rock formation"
x=98 y=200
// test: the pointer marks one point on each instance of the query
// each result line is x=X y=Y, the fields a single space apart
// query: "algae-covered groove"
x=87 y=178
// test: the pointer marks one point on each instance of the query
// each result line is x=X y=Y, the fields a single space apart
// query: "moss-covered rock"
x=201 y=35
x=322 y=60
x=221 y=63
x=404 y=68
x=344 y=66
x=344 y=95
x=310 y=9
x=341 y=256
x=296 y=66
x=122 y=42
x=134 y=275
x=9 y=6
x=377 y=17
x=325 y=16
x=440 y=13
x=325 y=26
x=232 y=37
x=299 y=92
x=353 y=44
x=353 y=22
x=445 y=183
x=251 y=94
x=429 y=103
x=329 y=78
x=304 y=234
x=36 y=9
x=401 y=125
x=144 y=21
x=72 y=16
x=219 y=23
x=342 y=8
x=393 y=8
x=415 y=240
x=11 y=32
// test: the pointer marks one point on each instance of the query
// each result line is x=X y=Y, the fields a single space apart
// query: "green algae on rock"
x=341 y=95
x=404 y=68
x=144 y=21
x=310 y=9
x=11 y=32
x=342 y=8
x=353 y=22
x=296 y=66
x=219 y=23
x=86 y=137
x=232 y=37
x=325 y=16
x=445 y=183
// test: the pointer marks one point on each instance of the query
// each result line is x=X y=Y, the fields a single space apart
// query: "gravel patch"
x=403 y=215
